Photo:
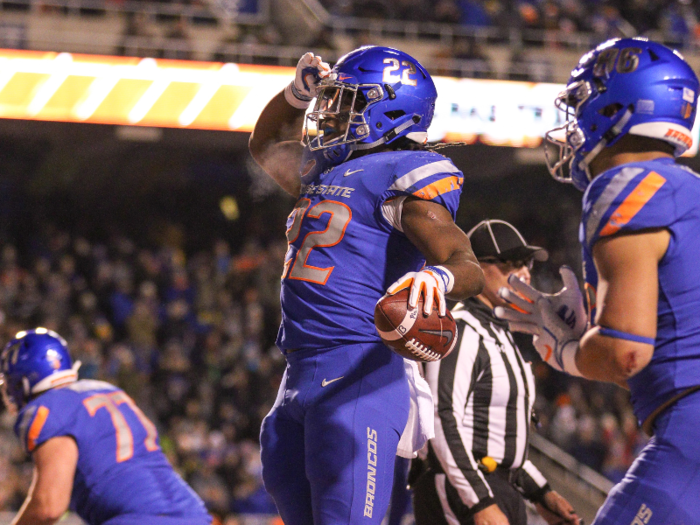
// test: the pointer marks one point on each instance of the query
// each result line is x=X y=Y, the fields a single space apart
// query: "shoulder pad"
x=30 y=424
x=428 y=176
x=623 y=199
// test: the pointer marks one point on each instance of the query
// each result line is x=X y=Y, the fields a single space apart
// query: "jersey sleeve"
x=626 y=200
x=531 y=483
x=428 y=176
x=40 y=421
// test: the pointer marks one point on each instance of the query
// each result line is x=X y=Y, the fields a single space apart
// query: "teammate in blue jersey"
x=631 y=105
x=373 y=207
x=94 y=450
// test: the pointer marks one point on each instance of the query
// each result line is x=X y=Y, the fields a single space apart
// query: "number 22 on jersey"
x=301 y=217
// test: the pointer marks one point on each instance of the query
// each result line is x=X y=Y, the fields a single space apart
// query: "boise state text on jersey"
x=121 y=470
x=346 y=245
x=647 y=195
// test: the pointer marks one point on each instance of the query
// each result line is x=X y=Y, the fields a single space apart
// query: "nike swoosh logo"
x=326 y=383
x=449 y=335
x=350 y=172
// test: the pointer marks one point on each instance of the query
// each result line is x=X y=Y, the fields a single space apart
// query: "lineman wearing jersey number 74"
x=373 y=208
x=631 y=105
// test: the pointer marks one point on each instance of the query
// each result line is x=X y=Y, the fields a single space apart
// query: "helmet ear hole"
x=610 y=110
x=393 y=115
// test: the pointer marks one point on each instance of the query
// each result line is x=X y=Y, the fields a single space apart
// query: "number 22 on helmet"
x=373 y=96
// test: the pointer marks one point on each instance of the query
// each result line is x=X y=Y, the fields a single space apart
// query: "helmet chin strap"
x=388 y=136
x=608 y=137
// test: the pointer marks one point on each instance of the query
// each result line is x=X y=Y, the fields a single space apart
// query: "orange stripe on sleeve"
x=439 y=187
x=634 y=202
x=36 y=427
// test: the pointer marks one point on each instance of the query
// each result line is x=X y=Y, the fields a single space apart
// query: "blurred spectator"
x=323 y=41
x=525 y=66
x=177 y=41
x=378 y=9
x=412 y=10
x=587 y=446
x=607 y=22
x=679 y=23
x=474 y=13
x=447 y=12
x=530 y=15
x=464 y=58
x=138 y=38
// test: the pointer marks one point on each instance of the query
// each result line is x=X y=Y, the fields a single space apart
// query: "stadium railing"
x=585 y=488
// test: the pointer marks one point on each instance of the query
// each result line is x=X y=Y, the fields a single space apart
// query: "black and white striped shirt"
x=483 y=393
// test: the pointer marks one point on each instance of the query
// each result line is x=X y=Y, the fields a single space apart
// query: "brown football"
x=412 y=334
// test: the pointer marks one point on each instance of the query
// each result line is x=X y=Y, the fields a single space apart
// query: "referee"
x=477 y=467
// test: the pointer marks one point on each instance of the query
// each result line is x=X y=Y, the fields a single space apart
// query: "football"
x=412 y=334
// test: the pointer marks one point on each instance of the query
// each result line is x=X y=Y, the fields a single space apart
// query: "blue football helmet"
x=373 y=96
x=33 y=362
x=623 y=86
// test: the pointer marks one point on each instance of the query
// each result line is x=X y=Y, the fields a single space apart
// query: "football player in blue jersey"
x=373 y=208
x=631 y=105
x=94 y=451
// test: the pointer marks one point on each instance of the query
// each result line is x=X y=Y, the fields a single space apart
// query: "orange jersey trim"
x=41 y=414
x=439 y=187
x=634 y=202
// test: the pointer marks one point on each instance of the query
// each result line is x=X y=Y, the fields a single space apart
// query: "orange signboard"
x=135 y=91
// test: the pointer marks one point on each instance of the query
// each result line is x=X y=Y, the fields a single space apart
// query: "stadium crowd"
x=549 y=22
x=677 y=19
x=190 y=337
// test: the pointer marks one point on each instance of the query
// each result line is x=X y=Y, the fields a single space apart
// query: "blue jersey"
x=346 y=246
x=121 y=471
x=638 y=196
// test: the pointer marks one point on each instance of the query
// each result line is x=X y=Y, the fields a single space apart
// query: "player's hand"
x=556 y=510
x=567 y=303
x=433 y=282
x=490 y=515
x=557 y=321
x=311 y=70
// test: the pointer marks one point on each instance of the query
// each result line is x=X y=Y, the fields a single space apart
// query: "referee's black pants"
x=428 y=508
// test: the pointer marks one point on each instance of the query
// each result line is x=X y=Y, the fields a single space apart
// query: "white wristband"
x=568 y=358
x=292 y=100
x=448 y=277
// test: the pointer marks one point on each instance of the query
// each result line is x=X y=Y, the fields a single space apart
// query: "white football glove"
x=433 y=282
x=301 y=91
x=557 y=321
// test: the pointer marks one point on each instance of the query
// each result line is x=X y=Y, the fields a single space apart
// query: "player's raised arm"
x=49 y=495
x=429 y=226
x=275 y=141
